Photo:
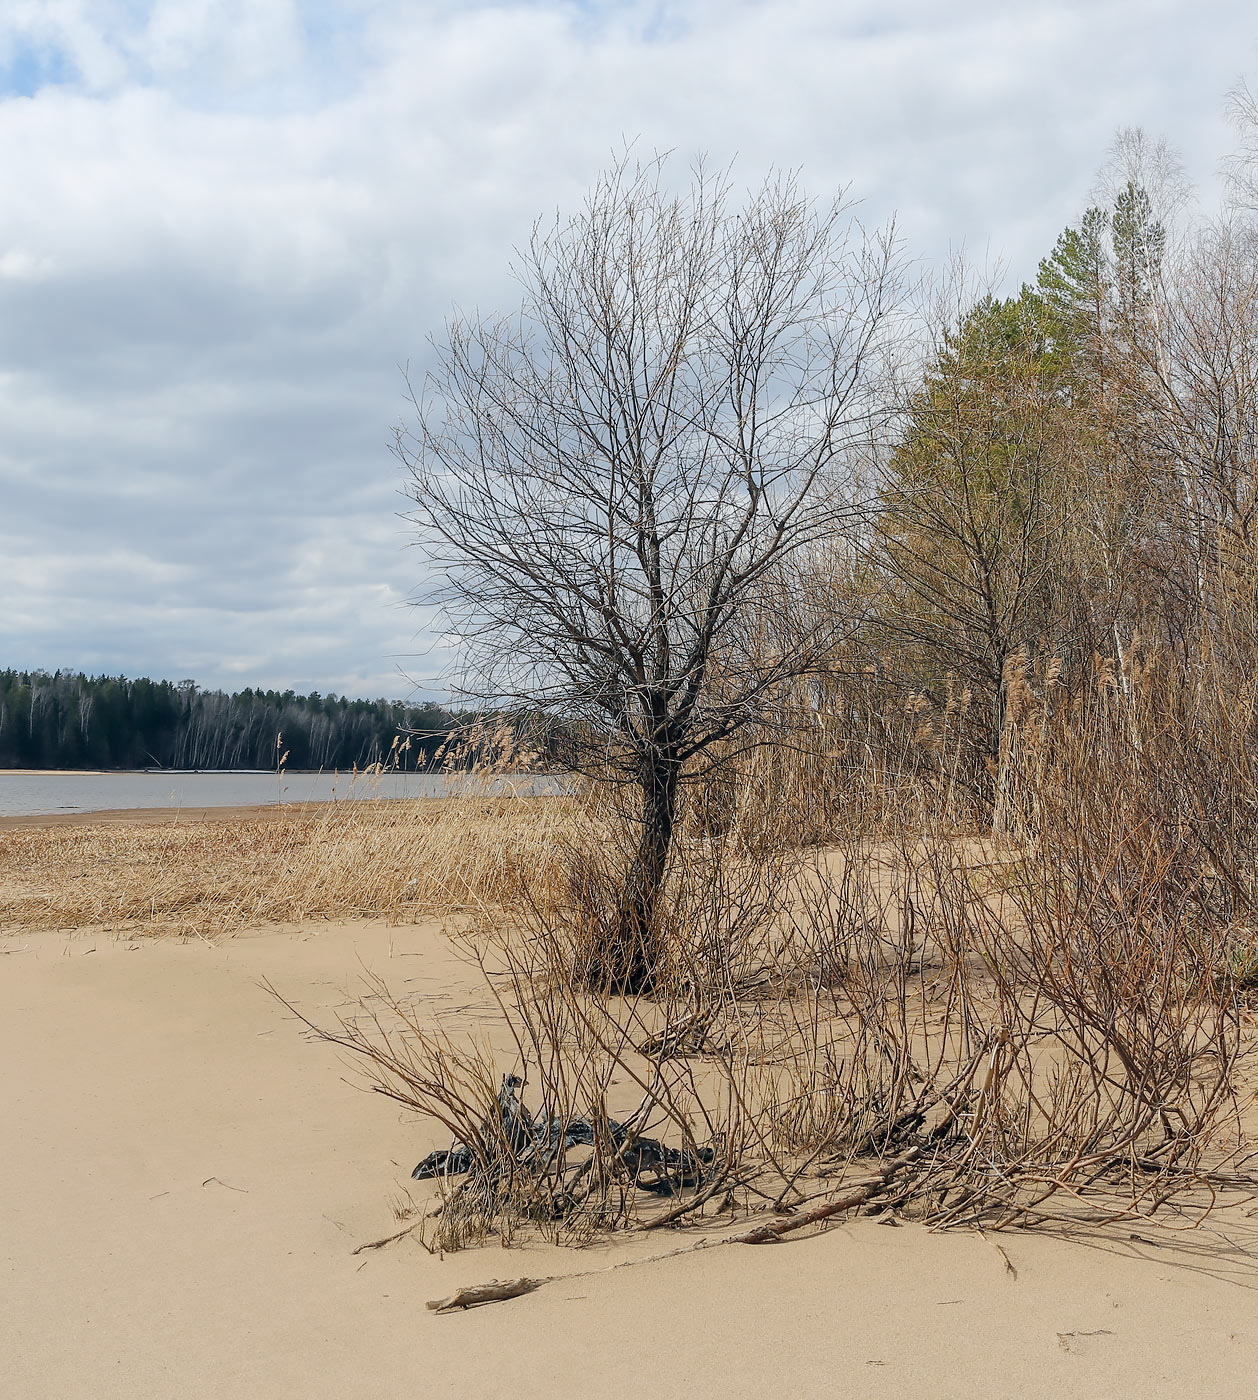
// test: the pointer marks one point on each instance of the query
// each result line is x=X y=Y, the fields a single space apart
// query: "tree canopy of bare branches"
x=614 y=477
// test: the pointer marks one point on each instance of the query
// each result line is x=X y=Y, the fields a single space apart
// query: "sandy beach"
x=186 y=1173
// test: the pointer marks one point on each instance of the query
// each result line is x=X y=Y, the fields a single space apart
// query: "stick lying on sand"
x=857 y=1195
x=495 y=1291
x=499 y=1290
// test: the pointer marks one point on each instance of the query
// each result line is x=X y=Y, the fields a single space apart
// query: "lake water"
x=40 y=794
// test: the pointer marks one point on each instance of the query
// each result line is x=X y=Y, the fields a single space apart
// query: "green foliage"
x=966 y=500
x=1099 y=278
x=1017 y=421
x=973 y=522
x=1071 y=292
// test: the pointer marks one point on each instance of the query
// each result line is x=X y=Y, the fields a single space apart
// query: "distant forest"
x=69 y=720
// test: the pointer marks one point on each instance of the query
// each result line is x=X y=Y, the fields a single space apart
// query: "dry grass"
x=395 y=860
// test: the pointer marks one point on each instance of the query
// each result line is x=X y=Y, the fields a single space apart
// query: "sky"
x=229 y=224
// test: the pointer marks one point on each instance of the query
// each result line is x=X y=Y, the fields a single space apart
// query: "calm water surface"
x=40 y=794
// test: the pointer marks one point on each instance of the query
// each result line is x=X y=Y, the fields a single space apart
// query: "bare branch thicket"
x=614 y=479
x=1052 y=1025
x=1057 y=625
x=1053 y=1042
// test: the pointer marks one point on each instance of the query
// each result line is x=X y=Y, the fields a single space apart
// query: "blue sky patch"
x=28 y=67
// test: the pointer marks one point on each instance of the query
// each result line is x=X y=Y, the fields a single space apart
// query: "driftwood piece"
x=495 y=1291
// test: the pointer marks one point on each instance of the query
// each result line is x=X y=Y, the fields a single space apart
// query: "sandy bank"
x=185 y=1174
x=54 y=772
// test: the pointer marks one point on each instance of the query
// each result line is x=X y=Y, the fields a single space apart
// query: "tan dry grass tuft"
x=384 y=859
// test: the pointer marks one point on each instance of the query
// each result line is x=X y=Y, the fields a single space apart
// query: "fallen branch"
x=696 y=1202
x=388 y=1239
x=860 y=1193
x=499 y=1290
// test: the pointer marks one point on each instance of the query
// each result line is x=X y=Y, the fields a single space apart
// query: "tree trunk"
x=630 y=964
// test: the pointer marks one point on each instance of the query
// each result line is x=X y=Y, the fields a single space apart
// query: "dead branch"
x=857 y=1196
x=388 y=1239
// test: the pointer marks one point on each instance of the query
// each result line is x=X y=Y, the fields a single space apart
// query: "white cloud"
x=228 y=221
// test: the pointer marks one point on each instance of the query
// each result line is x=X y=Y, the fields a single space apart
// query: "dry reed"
x=369 y=858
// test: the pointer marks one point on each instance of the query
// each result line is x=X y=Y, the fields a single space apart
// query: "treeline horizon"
x=68 y=719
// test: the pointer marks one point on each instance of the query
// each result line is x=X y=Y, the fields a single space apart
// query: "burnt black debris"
x=520 y=1141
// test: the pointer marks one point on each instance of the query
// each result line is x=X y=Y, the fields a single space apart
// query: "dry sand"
x=184 y=1174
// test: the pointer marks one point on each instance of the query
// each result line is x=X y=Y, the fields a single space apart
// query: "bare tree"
x=1241 y=167
x=614 y=477
x=1137 y=161
x=1201 y=379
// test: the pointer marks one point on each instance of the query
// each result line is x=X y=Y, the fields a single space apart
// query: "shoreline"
x=159 y=816
x=184 y=772
x=181 y=816
x=64 y=772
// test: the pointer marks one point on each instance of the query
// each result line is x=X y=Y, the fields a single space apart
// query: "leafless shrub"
x=1055 y=1053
